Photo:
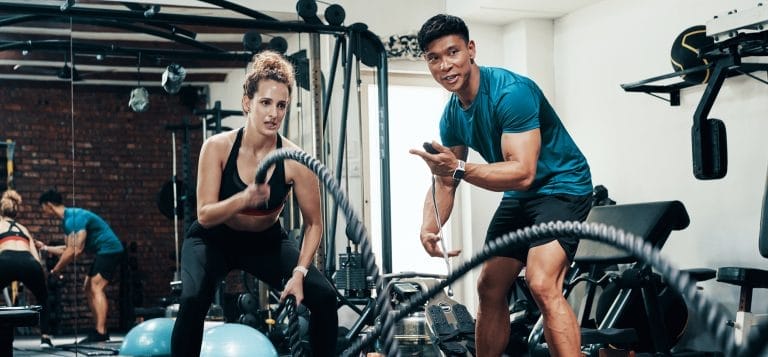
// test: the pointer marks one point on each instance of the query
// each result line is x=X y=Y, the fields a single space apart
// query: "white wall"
x=640 y=147
x=528 y=50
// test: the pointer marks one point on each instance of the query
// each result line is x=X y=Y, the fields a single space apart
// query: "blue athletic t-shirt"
x=100 y=239
x=507 y=102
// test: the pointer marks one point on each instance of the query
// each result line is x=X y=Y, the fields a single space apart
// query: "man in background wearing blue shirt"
x=86 y=232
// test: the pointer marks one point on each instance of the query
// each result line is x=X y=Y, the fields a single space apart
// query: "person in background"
x=86 y=232
x=20 y=261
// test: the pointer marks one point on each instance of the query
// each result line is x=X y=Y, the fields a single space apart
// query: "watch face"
x=458 y=174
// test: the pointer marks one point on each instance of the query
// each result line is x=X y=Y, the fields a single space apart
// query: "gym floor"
x=30 y=346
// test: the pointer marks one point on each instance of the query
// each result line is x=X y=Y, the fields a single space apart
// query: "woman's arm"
x=210 y=210
x=306 y=189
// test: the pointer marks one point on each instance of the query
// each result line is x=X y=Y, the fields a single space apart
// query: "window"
x=414 y=113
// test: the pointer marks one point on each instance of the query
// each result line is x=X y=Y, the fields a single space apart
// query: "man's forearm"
x=55 y=250
x=444 y=194
x=499 y=177
x=66 y=257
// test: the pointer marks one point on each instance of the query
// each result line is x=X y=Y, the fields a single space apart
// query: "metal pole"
x=176 y=274
x=386 y=218
x=317 y=111
x=331 y=248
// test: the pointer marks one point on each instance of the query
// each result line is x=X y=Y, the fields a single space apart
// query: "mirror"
x=137 y=133
x=36 y=131
x=115 y=133
x=133 y=137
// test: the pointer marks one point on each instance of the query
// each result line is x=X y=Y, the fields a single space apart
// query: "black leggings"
x=209 y=254
x=22 y=266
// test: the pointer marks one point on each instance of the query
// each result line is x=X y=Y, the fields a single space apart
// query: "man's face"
x=47 y=208
x=449 y=59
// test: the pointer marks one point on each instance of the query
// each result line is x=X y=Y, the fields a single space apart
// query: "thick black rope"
x=357 y=230
x=294 y=339
x=711 y=313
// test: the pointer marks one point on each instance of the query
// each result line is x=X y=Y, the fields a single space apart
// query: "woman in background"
x=19 y=260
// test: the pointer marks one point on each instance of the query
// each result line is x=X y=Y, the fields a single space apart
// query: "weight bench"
x=748 y=279
x=12 y=317
x=596 y=265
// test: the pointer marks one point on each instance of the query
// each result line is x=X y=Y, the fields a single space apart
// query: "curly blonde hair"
x=268 y=65
x=9 y=203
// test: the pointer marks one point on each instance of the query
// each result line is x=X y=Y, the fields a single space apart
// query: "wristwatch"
x=458 y=174
x=303 y=270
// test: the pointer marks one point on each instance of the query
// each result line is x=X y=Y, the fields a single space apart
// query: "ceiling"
x=114 y=43
x=121 y=43
x=502 y=12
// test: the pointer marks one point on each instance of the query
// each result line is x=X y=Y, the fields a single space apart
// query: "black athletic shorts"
x=106 y=264
x=514 y=214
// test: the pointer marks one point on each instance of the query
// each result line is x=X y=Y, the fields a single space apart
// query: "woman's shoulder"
x=288 y=144
x=221 y=140
x=292 y=167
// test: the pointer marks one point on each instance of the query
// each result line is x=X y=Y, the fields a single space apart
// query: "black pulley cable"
x=356 y=227
x=439 y=224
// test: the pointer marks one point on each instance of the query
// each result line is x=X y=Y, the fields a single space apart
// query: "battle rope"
x=713 y=314
x=294 y=340
x=355 y=227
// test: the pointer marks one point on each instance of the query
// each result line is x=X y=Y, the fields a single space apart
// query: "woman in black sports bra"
x=19 y=260
x=238 y=223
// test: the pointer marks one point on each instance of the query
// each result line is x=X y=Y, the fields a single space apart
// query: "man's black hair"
x=51 y=196
x=441 y=25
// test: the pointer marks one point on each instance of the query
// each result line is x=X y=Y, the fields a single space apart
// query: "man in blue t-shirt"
x=530 y=157
x=86 y=232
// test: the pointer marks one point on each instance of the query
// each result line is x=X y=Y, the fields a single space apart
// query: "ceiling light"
x=139 y=101
x=173 y=77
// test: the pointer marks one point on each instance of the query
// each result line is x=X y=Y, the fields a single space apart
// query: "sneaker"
x=94 y=337
x=45 y=341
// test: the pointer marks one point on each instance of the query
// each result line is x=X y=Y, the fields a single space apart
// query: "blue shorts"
x=514 y=214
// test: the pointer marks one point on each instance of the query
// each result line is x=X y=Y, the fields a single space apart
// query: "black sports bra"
x=13 y=234
x=232 y=184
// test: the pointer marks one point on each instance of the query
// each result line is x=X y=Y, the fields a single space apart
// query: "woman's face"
x=268 y=106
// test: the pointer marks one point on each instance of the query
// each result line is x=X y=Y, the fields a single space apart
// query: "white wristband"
x=301 y=269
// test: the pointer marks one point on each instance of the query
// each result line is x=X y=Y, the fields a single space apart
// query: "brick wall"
x=121 y=161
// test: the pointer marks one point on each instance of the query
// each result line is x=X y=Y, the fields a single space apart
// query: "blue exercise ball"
x=233 y=340
x=149 y=338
